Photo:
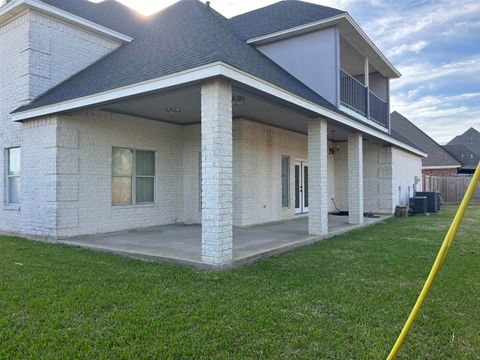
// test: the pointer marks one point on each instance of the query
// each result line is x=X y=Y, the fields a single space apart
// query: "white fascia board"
x=441 y=167
x=319 y=25
x=295 y=30
x=372 y=44
x=16 y=5
x=205 y=72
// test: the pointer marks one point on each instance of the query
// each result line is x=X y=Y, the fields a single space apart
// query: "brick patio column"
x=355 y=178
x=217 y=207
x=318 y=179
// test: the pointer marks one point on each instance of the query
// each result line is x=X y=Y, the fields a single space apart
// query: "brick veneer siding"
x=355 y=178
x=440 y=172
x=67 y=185
x=36 y=53
x=217 y=184
x=318 y=170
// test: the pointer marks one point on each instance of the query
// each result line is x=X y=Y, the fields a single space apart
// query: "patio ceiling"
x=254 y=106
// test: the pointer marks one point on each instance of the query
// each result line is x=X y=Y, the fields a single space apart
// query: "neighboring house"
x=463 y=154
x=438 y=162
x=466 y=149
x=100 y=111
x=470 y=138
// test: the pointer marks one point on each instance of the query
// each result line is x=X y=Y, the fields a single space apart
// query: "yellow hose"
x=449 y=238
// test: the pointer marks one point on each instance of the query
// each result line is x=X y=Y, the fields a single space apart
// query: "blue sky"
x=434 y=43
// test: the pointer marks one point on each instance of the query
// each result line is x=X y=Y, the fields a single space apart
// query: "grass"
x=345 y=298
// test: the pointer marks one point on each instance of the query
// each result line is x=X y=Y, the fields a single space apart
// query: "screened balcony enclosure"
x=357 y=97
x=364 y=85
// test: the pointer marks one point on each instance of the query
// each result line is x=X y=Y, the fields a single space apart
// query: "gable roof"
x=411 y=134
x=201 y=37
x=470 y=138
x=279 y=16
x=464 y=155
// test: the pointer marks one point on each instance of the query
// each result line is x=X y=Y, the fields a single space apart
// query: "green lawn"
x=345 y=298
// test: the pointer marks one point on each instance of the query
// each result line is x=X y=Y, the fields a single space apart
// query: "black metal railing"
x=353 y=94
x=357 y=97
x=378 y=110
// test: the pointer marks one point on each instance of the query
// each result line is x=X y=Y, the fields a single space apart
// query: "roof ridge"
x=283 y=1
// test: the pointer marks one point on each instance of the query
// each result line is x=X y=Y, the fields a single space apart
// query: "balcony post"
x=366 y=72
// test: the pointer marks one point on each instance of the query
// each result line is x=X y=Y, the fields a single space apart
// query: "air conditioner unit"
x=418 y=205
x=432 y=200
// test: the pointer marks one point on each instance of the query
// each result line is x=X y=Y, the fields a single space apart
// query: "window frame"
x=287 y=157
x=8 y=202
x=134 y=177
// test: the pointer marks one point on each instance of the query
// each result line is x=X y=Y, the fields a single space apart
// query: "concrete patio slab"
x=181 y=244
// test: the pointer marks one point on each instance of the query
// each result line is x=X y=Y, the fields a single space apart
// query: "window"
x=285 y=181
x=133 y=176
x=13 y=176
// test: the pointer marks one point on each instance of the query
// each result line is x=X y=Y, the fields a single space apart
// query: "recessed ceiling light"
x=172 y=110
x=238 y=100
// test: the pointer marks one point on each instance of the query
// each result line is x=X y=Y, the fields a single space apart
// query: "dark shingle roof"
x=279 y=16
x=463 y=154
x=108 y=13
x=185 y=35
x=470 y=138
x=406 y=130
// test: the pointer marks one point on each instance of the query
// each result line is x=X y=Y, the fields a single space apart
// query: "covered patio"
x=181 y=244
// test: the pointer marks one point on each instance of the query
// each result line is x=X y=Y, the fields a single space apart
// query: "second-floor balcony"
x=359 y=98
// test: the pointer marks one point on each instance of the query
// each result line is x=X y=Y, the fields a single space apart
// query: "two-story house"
x=112 y=121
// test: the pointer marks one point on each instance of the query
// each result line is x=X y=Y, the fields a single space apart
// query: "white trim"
x=441 y=167
x=20 y=5
x=203 y=72
x=295 y=30
x=322 y=24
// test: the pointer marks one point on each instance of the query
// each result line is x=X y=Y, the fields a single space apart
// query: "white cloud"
x=462 y=27
x=442 y=117
x=426 y=72
x=415 y=47
x=399 y=25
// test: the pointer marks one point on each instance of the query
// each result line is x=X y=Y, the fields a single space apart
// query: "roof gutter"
x=204 y=72
x=16 y=7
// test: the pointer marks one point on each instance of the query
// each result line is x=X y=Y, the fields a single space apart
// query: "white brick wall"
x=377 y=175
x=355 y=178
x=67 y=177
x=318 y=177
x=13 y=93
x=58 y=50
x=39 y=177
x=98 y=132
x=377 y=193
x=217 y=184
x=36 y=53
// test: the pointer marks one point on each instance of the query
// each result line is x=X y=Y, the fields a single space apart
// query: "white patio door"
x=301 y=187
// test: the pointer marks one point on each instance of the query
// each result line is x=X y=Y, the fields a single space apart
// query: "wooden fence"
x=452 y=188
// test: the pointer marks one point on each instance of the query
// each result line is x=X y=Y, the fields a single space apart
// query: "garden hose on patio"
x=449 y=238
